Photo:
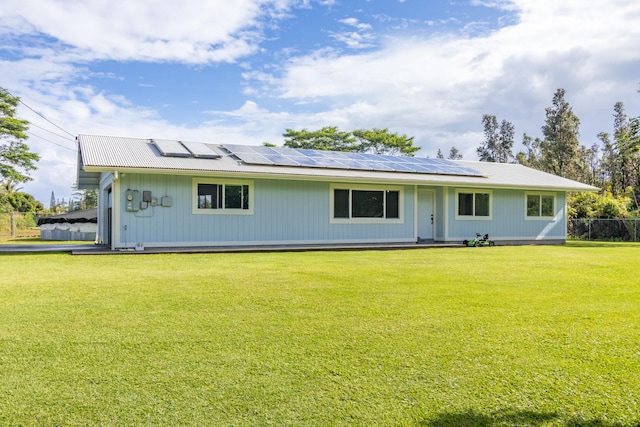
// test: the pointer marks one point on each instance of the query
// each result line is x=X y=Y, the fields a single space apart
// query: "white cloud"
x=354 y=22
x=446 y=82
x=154 y=30
x=354 y=40
x=362 y=38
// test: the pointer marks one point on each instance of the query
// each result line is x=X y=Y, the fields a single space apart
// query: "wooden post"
x=13 y=224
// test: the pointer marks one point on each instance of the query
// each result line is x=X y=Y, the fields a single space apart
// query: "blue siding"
x=508 y=219
x=292 y=211
x=285 y=211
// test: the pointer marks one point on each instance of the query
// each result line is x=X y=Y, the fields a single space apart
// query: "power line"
x=66 y=138
x=52 y=142
x=63 y=130
x=23 y=103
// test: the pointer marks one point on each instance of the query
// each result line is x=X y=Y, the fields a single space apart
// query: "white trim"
x=445 y=213
x=366 y=187
x=202 y=180
x=473 y=217
x=540 y=193
x=265 y=243
x=565 y=218
x=415 y=212
x=117 y=215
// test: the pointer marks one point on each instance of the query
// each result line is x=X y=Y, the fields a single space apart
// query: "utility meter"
x=132 y=198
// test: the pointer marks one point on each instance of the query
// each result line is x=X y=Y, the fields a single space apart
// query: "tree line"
x=17 y=161
x=612 y=163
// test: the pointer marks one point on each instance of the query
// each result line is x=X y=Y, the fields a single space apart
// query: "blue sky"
x=244 y=71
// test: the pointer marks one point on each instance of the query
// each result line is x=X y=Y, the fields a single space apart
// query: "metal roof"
x=109 y=153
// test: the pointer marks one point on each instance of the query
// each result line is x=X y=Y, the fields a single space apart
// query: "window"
x=472 y=204
x=540 y=205
x=221 y=196
x=360 y=204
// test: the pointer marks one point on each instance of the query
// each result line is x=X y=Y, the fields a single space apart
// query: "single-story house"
x=170 y=193
x=76 y=225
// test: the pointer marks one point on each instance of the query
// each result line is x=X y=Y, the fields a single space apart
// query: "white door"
x=425 y=214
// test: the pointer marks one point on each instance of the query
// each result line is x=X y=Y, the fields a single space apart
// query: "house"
x=169 y=193
x=76 y=225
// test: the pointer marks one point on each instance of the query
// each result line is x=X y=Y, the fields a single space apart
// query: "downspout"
x=445 y=213
x=115 y=209
x=415 y=213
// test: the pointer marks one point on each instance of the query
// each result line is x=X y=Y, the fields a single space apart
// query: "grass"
x=527 y=336
x=35 y=240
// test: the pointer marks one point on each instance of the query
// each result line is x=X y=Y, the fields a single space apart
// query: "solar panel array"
x=260 y=155
x=173 y=148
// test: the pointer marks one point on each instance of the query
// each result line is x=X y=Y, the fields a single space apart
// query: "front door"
x=425 y=214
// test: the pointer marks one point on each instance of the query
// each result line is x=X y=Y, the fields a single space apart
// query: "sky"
x=244 y=71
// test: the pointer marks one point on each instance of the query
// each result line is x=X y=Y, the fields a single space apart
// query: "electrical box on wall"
x=146 y=196
x=166 y=201
x=132 y=200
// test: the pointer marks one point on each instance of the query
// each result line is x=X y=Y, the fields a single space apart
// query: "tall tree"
x=487 y=152
x=327 y=138
x=532 y=156
x=621 y=160
x=625 y=150
x=382 y=141
x=587 y=164
x=16 y=161
x=609 y=165
x=455 y=154
x=507 y=133
x=378 y=141
x=498 y=140
x=561 y=133
x=85 y=199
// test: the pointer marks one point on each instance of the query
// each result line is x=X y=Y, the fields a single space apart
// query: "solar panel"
x=171 y=148
x=201 y=150
x=281 y=160
x=239 y=148
x=174 y=148
x=275 y=156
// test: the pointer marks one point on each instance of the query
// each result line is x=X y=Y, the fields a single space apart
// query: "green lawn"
x=526 y=336
x=31 y=240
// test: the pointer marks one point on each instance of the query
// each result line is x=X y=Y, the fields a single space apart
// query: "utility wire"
x=23 y=103
x=48 y=140
x=63 y=130
x=52 y=132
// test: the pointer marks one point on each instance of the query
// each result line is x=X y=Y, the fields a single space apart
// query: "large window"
x=222 y=196
x=364 y=204
x=471 y=204
x=540 y=205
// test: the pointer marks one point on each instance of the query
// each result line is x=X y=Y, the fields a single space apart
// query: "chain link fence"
x=612 y=229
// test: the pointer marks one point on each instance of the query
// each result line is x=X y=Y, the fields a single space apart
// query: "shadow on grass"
x=504 y=418
x=593 y=244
